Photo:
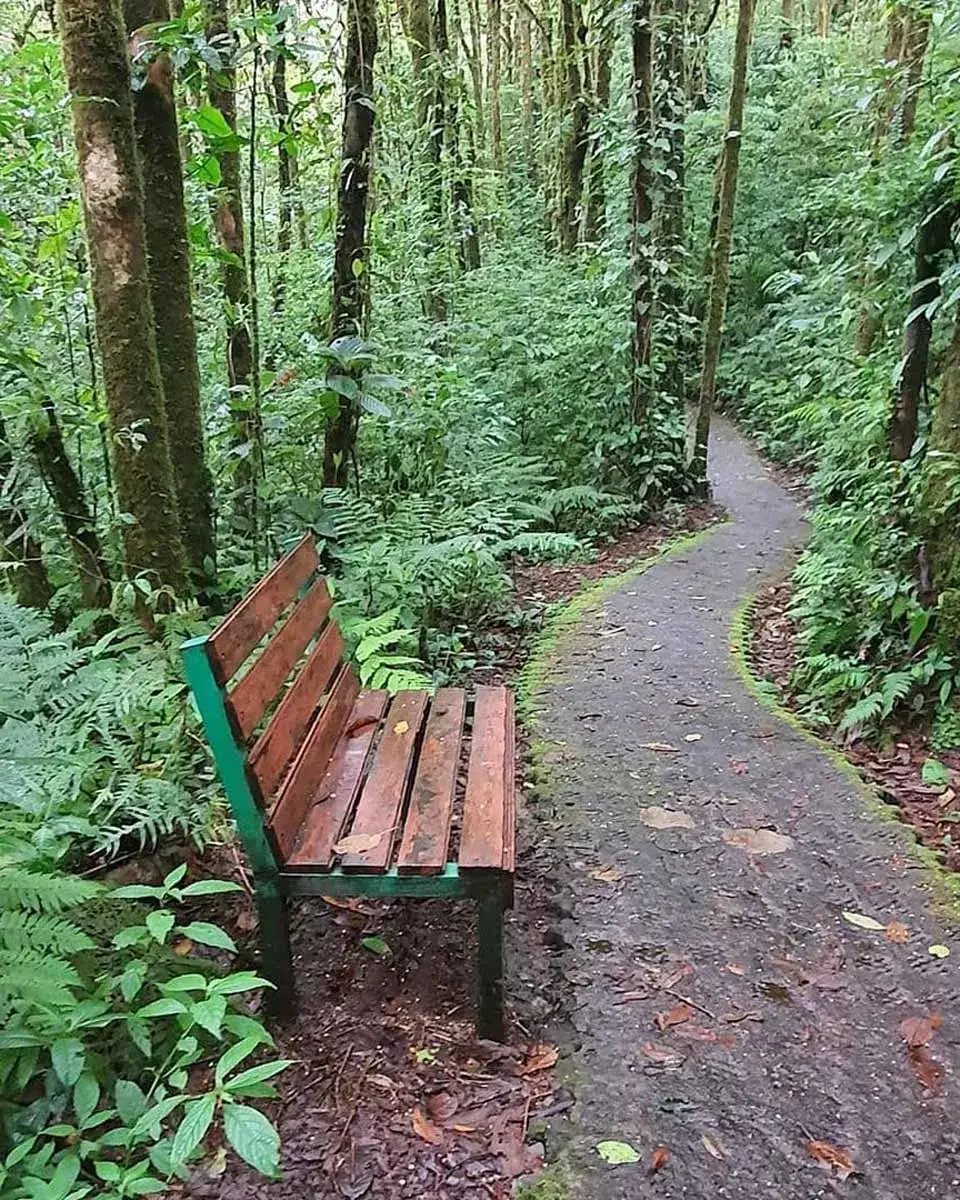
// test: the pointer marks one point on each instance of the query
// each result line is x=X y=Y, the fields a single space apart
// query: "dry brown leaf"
x=736 y=969
x=699 y=1034
x=927 y=1070
x=247 y=920
x=661 y=1055
x=898 y=933
x=758 y=841
x=358 y=843
x=832 y=1159
x=917 y=1031
x=464 y=1128
x=712 y=1147
x=664 y=818
x=401 y=727
x=540 y=1058
x=675 y=1016
x=349 y=903
x=659 y=1159
x=441 y=1106
x=670 y=979
x=607 y=874
x=659 y=747
x=183 y=947
x=424 y=1128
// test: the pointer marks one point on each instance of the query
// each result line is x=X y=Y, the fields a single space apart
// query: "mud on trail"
x=742 y=939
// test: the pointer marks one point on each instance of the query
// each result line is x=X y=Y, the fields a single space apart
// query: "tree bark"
x=525 y=51
x=67 y=493
x=98 y=77
x=943 y=546
x=494 y=13
x=672 y=18
x=824 y=13
x=22 y=557
x=577 y=115
x=641 y=211
x=786 y=24
x=281 y=108
x=351 y=254
x=229 y=224
x=723 y=242
x=915 y=38
x=932 y=245
x=171 y=288
x=459 y=127
x=595 y=220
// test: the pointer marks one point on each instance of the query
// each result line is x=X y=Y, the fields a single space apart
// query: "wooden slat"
x=281 y=739
x=333 y=801
x=426 y=832
x=256 y=691
x=378 y=810
x=486 y=808
x=311 y=763
x=510 y=792
x=236 y=636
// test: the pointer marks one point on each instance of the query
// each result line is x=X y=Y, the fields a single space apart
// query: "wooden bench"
x=337 y=791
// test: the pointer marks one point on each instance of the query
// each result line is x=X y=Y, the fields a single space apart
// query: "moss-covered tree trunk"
x=229 y=223
x=494 y=36
x=577 y=117
x=462 y=151
x=351 y=254
x=595 y=218
x=280 y=102
x=525 y=53
x=641 y=212
x=21 y=558
x=943 y=481
x=932 y=246
x=68 y=495
x=171 y=289
x=915 y=38
x=722 y=245
x=98 y=77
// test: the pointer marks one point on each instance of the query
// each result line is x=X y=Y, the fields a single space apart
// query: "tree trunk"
x=281 y=108
x=723 y=242
x=672 y=20
x=595 y=221
x=493 y=81
x=229 y=224
x=351 y=254
x=474 y=52
x=824 y=12
x=577 y=114
x=786 y=24
x=67 y=493
x=459 y=128
x=171 y=290
x=943 y=546
x=915 y=38
x=525 y=50
x=22 y=558
x=98 y=76
x=932 y=245
x=641 y=212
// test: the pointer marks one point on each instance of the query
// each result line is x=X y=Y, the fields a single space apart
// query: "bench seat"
x=337 y=790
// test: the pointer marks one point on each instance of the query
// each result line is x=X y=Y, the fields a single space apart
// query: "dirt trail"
x=794 y=1030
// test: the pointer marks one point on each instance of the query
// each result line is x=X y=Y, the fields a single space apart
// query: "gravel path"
x=792 y=1030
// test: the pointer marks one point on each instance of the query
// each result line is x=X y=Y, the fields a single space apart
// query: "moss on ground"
x=553 y=1183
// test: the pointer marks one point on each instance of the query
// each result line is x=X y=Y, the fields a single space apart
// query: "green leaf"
x=205 y=168
x=86 y=1095
x=159 y=924
x=131 y=981
x=193 y=982
x=211 y=122
x=253 y=1137
x=130 y=1100
x=375 y=945
x=244 y=1027
x=211 y=887
x=935 y=774
x=239 y=981
x=136 y=891
x=617 y=1153
x=258 y=1074
x=174 y=877
x=343 y=385
x=208 y=935
x=167 y=1006
x=209 y=1013
x=68 y=1057
x=197 y=1116
x=234 y=1056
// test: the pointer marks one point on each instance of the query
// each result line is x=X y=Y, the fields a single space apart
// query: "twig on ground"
x=339 y=1076
x=693 y=1004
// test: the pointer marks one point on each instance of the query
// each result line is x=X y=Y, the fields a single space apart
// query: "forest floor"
x=719 y=960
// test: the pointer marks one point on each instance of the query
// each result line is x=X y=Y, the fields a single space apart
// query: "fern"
x=38 y=891
x=23 y=931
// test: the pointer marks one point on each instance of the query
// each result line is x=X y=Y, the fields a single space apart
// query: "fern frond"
x=41 y=892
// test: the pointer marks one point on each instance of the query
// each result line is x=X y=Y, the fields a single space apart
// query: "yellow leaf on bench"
x=358 y=843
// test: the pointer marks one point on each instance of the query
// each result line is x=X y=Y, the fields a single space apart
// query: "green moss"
x=553 y=1183
x=944 y=884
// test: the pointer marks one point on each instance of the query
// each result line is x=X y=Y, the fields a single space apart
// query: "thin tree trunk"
x=670 y=126
x=493 y=81
x=22 y=558
x=525 y=50
x=641 y=214
x=786 y=24
x=943 y=546
x=578 y=115
x=824 y=13
x=98 y=76
x=281 y=107
x=67 y=493
x=933 y=244
x=229 y=224
x=474 y=52
x=459 y=128
x=915 y=39
x=171 y=290
x=595 y=221
x=351 y=255
x=723 y=243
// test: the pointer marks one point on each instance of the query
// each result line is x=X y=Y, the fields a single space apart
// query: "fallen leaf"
x=424 y=1128
x=699 y=1034
x=927 y=1070
x=712 y=1147
x=862 y=922
x=664 y=818
x=464 y=1128
x=689 y=702
x=630 y=997
x=441 y=1106
x=183 y=947
x=350 y=903
x=617 y=1153
x=607 y=874
x=217 y=1163
x=736 y=969
x=692 y=737
x=670 y=979
x=897 y=933
x=917 y=1031
x=358 y=843
x=540 y=1058
x=659 y=747
x=734 y=1018
x=376 y=945
x=659 y=1159
x=675 y=1016
x=401 y=727
x=939 y=951
x=758 y=841
x=663 y=1056
x=384 y=1082
x=247 y=920
x=832 y=1159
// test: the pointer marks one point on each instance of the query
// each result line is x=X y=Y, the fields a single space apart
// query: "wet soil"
x=729 y=1015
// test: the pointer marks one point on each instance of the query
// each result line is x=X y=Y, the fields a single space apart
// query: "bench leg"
x=275 y=951
x=490 y=964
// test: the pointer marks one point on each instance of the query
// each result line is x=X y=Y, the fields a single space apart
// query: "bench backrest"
x=268 y=752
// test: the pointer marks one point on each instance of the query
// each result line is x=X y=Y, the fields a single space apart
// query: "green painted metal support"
x=230 y=758
x=490 y=962
x=449 y=884
x=275 y=951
